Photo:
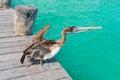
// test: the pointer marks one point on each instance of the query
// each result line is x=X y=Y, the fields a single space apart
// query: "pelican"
x=45 y=49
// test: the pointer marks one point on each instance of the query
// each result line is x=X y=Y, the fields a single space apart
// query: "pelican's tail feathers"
x=22 y=58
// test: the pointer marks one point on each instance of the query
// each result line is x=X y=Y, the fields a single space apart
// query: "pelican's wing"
x=43 y=50
x=26 y=52
x=39 y=51
x=37 y=39
x=41 y=33
x=45 y=47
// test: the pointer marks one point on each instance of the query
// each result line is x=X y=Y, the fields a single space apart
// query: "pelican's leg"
x=46 y=66
x=30 y=62
x=50 y=62
x=41 y=62
x=46 y=60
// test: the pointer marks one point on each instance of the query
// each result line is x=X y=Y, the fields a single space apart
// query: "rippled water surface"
x=92 y=55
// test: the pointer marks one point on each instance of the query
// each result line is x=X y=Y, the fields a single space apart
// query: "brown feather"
x=40 y=34
x=23 y=57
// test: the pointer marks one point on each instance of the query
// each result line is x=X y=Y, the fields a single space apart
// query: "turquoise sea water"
x=92 y=55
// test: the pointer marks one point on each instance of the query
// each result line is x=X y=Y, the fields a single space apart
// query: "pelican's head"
x=74 y=29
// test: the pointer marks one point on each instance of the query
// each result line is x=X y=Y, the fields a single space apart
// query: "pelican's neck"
x=63 y=39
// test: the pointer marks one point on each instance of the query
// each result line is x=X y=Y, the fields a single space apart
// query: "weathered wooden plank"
x=3 y=22
x=4 y=15
x=11 y=11
x=15 y=72
x=11 y=39
x=7 y=34
x=10 y=61
x=13 y=46
x=10 y=64
x=6 y=27
x=9 y=20
x=3 y=25
x=10 y=17
x=6 y=10
x=14 y=64
x=7 y=15
x=23 y=71
x=3 y=19
x=12 y=56
x=49 y=75
x=11 y=50
x=6 y=30
x=6 y=22
x=65 y=78
x=14 y=43
x=52 y=75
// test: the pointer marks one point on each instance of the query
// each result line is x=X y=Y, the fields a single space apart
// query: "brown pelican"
x=45 y=49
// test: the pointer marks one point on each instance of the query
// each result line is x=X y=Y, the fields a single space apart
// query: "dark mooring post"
x=24 y=19
x=4 y=3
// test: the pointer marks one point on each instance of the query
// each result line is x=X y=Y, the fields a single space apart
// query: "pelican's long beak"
x=82 y=29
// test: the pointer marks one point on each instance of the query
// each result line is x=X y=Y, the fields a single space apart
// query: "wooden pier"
x=11 y=48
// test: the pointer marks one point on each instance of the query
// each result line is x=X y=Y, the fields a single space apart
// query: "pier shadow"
x=37 y=61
